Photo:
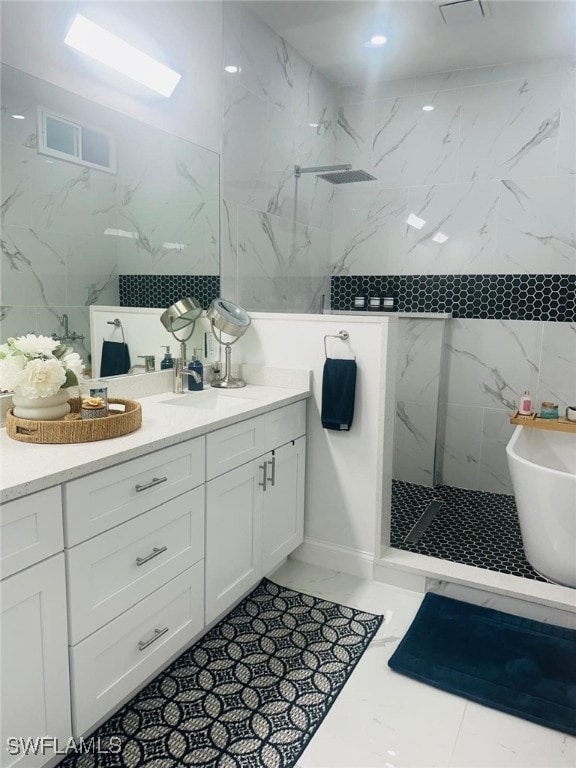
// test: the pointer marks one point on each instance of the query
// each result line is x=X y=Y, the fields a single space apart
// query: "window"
x=61 y=137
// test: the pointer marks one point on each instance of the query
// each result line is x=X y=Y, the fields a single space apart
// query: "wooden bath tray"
x=73 y=429
x=560 y=424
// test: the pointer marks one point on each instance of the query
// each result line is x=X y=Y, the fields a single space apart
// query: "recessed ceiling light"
x=313 y=125
x=376 y=41
x=19 y=117
x=112 y=51
x=440 y=237
x=415 y=221
x=428 y=108
x=232 y=69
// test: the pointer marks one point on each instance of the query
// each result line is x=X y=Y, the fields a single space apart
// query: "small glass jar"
x=549 y=410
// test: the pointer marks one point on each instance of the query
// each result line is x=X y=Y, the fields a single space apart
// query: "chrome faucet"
x=179 y=372
x=149 y=364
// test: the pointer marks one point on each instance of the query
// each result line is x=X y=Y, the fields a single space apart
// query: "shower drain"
x=423 y=522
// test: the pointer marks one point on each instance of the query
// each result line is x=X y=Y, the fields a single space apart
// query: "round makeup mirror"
x=227 y=317
x=182 y=314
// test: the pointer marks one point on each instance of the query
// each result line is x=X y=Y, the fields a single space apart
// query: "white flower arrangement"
x=38 y=366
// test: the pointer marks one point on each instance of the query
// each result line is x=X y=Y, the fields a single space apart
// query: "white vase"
x=42 y=408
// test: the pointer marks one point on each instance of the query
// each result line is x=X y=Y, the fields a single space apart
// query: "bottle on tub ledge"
x=525 y=406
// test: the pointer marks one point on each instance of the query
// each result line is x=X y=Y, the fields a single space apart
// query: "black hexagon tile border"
x=164 y=290
x=491 y=297
x=472 y=527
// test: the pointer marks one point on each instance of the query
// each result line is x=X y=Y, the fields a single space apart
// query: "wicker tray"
x=73 y=429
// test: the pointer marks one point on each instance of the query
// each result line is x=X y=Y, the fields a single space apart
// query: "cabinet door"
x=233 y=536
x=283 y=513
x=35 y=694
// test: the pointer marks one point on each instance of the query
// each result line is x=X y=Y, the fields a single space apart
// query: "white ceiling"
x=331 y=35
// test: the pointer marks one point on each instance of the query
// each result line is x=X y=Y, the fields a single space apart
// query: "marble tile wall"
x=68 y=231
x=492 y=167
x=278 y=111
x=490 y=363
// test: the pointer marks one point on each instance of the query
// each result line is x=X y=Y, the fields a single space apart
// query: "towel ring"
x=117 y=324
x=343 y=335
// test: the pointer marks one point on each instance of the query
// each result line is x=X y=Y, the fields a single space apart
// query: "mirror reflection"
x=97 y=209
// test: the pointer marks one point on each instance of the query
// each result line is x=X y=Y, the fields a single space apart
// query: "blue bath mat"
x=516 y=665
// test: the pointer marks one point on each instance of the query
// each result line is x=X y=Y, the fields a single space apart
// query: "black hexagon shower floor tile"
x=472 y=527
x=250 y=694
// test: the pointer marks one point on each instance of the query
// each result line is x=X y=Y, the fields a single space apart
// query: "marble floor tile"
x=491 y=738
x=390 y=721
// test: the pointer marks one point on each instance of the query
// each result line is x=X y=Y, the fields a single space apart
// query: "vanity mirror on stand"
x=227 y=317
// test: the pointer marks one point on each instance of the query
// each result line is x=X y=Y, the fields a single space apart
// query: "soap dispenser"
x=167 y=361
x=196 y=366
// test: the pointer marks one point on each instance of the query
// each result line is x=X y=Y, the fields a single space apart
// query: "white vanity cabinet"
x=136 y=588
x=35 y=691
x=108 y=577
x=255 y=511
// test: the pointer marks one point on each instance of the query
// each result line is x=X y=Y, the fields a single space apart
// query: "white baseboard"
x=356 y=562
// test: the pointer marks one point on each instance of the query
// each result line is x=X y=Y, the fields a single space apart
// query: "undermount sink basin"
x=208 y=401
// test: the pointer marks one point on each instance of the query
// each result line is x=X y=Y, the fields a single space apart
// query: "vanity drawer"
x=111 y=572
x=100 y=501
x=235 y=445
x=109 y=665
x=285 y=424
x=30 y=530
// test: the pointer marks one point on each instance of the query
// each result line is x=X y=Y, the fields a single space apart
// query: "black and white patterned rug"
x=250 y=694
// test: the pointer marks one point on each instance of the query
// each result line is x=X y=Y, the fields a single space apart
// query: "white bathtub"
x=542 y=464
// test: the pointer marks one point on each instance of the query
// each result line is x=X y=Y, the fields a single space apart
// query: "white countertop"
x=26 y=468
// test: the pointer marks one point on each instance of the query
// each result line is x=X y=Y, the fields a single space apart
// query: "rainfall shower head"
x=335 y=174
x=346 y=177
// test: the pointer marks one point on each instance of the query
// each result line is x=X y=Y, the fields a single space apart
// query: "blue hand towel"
x=115 y=358
x=338 y=393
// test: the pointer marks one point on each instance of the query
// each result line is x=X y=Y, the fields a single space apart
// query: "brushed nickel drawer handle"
x=264 y=476
x=143 y=644
x=155 y=552
x=272 y=478
x=151 y=484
